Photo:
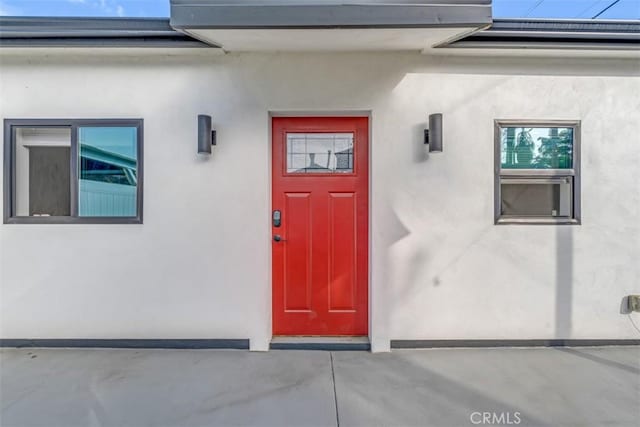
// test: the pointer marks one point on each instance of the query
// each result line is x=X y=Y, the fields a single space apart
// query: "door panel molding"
x=320 y=271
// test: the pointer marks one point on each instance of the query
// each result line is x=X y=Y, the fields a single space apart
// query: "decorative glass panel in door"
x=319 y=153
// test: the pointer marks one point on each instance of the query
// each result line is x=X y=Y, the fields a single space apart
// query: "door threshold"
x=326 y=343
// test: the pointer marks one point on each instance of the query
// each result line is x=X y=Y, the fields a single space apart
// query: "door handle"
x=278 y=238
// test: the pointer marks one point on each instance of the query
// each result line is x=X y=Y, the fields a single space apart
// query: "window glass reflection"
x=536 y=148
x=319 y=153
x=107 y=171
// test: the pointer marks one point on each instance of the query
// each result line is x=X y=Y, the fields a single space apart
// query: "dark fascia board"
x=565 y=25
x=574 y=44
x=91 y=32
x=106 y=42
x=555 y=34
x=11 y=26
x=203 y=14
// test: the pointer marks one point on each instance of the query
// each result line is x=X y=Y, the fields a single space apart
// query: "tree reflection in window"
x=537 y=148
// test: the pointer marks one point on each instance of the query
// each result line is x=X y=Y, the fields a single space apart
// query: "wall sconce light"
x=206 y=135
x=433 y=135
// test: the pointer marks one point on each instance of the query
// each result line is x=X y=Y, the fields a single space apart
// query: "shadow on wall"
x=564 y=281
x=420 y=149
x=415 y=259
x=624 y=305
x=394 y=231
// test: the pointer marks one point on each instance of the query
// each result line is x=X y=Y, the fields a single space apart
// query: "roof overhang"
x=314 y=25
x=568 y=36
x=50 y=32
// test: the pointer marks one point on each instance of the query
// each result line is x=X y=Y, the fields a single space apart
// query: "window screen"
x=536 y=198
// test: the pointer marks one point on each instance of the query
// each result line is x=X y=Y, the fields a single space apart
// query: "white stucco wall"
x=199 y=267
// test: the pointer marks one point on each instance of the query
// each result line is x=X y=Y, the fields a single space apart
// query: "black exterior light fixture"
x=206 y=135
x=433 y=135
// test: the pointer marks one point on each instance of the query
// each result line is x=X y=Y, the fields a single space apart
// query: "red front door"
x=320 y=225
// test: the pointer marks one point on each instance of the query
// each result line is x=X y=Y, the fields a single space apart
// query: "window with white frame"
x=73 y=171
x=537 y=172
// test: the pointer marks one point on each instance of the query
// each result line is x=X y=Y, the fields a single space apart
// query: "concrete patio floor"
x=440 y=387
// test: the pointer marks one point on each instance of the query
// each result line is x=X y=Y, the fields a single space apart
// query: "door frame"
x=320 y=113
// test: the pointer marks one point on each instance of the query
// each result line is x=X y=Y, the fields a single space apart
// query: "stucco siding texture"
x=200 y=265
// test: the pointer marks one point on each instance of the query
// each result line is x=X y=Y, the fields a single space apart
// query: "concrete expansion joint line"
x=335 y=396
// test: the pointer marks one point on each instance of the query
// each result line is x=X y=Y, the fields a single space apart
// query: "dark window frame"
x=537 y=174
x=9 y=191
